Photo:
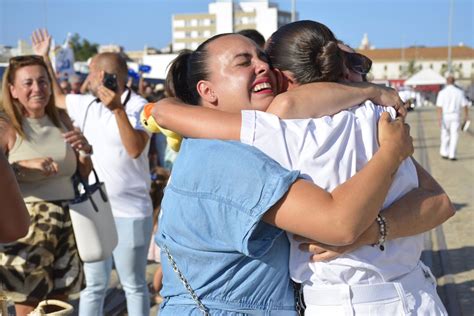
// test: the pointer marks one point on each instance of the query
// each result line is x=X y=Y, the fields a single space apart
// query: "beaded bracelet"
x=383 y=232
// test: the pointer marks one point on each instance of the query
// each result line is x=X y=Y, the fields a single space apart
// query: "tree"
x=84 y=49
x=410 y=69
x=456 y=70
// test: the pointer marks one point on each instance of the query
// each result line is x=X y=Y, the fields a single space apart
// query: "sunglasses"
x=25 y=59
x=358 y=63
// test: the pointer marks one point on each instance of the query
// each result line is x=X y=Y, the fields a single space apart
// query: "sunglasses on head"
x=25 y=58
x=358 y=63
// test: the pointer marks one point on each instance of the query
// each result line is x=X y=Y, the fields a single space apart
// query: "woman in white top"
x=328 y=151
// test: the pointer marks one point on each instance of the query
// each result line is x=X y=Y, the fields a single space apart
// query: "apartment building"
x=226 y=16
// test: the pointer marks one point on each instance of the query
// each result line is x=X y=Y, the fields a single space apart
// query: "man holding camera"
x=110 y=120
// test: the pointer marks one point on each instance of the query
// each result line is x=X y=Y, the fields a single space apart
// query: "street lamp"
x=450 y=31
x=293 y=10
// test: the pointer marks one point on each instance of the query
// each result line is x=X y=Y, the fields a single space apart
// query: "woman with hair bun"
x=285 y=141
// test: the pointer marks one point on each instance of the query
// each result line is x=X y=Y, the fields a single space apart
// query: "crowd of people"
x=294 y=188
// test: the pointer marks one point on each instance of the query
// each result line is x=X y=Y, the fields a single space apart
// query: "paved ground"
x=450 y=247
x=457 y=178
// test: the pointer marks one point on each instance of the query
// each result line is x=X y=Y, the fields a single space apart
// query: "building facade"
x=226 y=16
x=390 y=64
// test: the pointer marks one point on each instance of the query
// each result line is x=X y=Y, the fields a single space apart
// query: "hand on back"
x=395 y=134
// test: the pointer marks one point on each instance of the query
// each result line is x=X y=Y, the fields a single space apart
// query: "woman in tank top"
x=44 y=151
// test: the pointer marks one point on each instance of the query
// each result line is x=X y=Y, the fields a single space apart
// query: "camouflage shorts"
x=45 y=263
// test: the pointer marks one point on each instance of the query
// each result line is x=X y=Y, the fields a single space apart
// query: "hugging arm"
x=14 y=217
x=326 y=98
x=310 y=100
x=341 y=216
x=196 y=121
x=416 y=212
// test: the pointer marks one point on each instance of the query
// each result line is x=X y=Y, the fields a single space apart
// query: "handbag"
x=92 y=220
x=66 y=309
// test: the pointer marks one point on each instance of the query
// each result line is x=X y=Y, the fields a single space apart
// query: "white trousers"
x=412 y=294
x=449 y=135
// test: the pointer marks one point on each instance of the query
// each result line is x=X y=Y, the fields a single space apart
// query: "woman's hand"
x=322 y=252
x=41 y=42
x=389 y=97
x=77 y=141
x=395 y=135
x=46 y=165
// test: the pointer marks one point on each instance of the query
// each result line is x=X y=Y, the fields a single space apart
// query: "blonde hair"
x=14 y=109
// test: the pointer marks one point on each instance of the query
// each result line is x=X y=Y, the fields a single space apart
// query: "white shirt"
x=127 y=180
x=328 y=151
x=451 y=99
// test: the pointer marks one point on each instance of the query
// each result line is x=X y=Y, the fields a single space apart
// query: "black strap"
x=97 y=100
x=299 y=300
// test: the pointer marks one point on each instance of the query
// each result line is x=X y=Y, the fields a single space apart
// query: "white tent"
x=425 y=77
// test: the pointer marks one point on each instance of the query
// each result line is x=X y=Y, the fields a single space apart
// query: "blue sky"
x=134 y=23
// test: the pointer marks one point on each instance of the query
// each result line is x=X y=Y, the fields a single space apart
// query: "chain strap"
x=185 y=283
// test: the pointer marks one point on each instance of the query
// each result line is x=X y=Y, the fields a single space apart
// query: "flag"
x=63 y=59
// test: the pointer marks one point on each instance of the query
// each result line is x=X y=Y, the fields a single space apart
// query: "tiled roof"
x=418 y=53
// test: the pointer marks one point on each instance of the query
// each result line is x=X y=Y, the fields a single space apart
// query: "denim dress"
x=211 y=224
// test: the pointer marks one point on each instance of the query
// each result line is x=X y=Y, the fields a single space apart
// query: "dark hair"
x=254 y=35
x=186 y=70
x=308 y=49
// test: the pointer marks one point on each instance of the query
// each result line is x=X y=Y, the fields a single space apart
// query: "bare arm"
x=327 y=98
x=310 y=100
x=14 y=217
x=418 y=211
x=341 y=216
x=85 y=86
x=196 y=121
x=79 y=143
x=41 y=42
x=132 y=139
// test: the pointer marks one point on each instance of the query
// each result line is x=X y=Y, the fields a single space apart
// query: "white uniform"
x=451 y=99
x=328 y=151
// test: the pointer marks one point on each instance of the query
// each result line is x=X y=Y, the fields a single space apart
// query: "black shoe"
x=453 y=159
x=444 y=157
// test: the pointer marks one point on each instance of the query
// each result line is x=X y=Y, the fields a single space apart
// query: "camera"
x=110 y=81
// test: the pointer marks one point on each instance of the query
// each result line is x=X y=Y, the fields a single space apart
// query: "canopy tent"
x=425 y=77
